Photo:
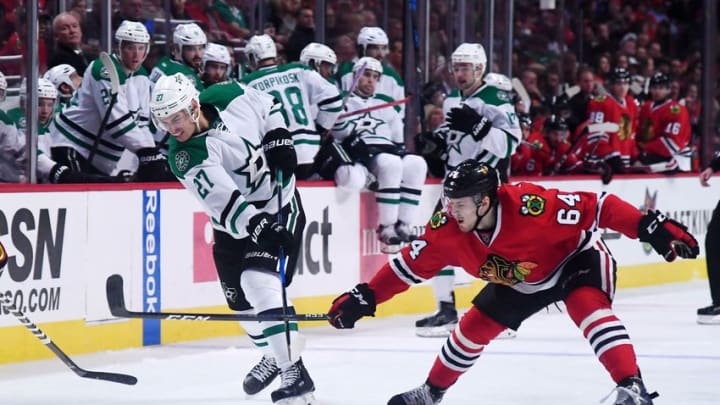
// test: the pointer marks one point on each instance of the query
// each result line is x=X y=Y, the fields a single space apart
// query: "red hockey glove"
x=3 y=256
x=668 y=237
x=351 y=306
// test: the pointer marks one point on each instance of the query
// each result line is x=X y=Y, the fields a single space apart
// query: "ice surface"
x=548 y=363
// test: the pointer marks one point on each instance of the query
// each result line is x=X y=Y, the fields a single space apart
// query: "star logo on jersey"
x=182 y=160
x=533 y=205
x=255 y=168
x=366 y=124
x=454 y=139
x=500 y=270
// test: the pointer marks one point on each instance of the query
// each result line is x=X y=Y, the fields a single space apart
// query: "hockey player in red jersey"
x=488 y=229
x=664 y=133
x=618 y=149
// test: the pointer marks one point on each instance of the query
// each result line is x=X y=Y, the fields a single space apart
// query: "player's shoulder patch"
x=675 y=109
x=185 y=155
x=532 y=204
x=600 y=98
x=438 y=219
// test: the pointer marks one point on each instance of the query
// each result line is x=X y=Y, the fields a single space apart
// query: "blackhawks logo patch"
x=532 y=204
x=674 y=109
x=500 y=270
x=437 y=220
x=182 y=160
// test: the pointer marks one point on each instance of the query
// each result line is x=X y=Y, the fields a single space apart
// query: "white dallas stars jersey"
x=379 y=127
x=390 y=84
x=500 y=142
x=298 y=87
x=224 y=167
x=127 y=127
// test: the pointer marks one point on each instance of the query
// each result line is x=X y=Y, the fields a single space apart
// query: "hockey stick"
x=522 y=93
x=281 y=265
x=8 y=305
x=114 y=89
x=375 y=107
x=353 y=86
x=116 y=302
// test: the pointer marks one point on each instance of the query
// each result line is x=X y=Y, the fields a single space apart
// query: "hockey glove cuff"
x=280 y=151
x=668 y=237
x=349 y=307
x=469 y=121
x=269 y=235
x=153 y=166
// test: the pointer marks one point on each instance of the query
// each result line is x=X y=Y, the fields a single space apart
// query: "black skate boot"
x=260 y=376
x=709 y=315
x=439 y=324
x=390 y=242
x=631 y=391
x=297 y=387
x=422 y=395
x=402 y=230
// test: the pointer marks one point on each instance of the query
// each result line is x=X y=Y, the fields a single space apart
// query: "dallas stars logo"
x=255 y=168
x=366 y=124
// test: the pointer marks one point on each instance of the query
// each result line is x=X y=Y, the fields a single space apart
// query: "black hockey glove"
x=280 y=151
x=61 y=174
x=469 y=121
x=356 y=148
x=668 y=237
x=153 y=166
x=347 y=308
x=269 y=235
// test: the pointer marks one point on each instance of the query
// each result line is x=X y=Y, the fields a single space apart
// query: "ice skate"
x=507 y=334
x=631 y=391
x=440 y=324
x=260 y=376
x=709 y=315
x=297 y=387
x=402 y=230
x=422 y=395
x=389 y=239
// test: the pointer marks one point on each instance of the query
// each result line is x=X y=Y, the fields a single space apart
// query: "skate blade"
x=507 y=334
x=435 y=331
x=305 y=399
x=708 y=319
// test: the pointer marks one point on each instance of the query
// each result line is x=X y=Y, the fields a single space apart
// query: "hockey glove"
x=280 y=151
x=153 y=166
x=668 y=237
x=357 y=149
x=351 y=306
x=61 y=174
x=467 y=120
x=269 y=235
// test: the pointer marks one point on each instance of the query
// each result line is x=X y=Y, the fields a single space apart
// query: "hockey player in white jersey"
x=376 y=140
x=297 y=87
x=65 y=79
x=78 y=140
x=216 y=64
x=321 y=58
x=189 y=43
x=481 y=124
x=373 y=42
x=226 y=146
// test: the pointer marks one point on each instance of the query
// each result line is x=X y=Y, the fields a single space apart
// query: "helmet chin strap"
x=480 y=217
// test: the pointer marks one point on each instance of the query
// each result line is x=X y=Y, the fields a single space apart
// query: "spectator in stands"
x=15 y=45
x=230 y=17
x=68 y=40
x=89 y=26
x=303 y=34
x=132 y=10
x=579 y=102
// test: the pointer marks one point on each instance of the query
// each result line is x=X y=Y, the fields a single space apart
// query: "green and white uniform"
x=390 y=85
x=298 y=87
x=500 y=142
x=76 y=126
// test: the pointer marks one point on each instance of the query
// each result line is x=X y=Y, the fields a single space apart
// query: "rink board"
x=65 y=242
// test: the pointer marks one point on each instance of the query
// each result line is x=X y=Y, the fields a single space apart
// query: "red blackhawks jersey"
x=664 y=128
x=625 y=114
x=537 y=231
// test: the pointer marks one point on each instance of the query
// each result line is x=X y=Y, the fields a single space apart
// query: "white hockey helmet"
x=3 y=86
x=260 y=47
x=318 y=53
x=469 y=53
x=46 y=89
x=170 y=95
x=132 y=31
x=502 y=82
x=372 y=36
x=189 y=34
x=216 y=53
x=60 y=74
x=370 y=64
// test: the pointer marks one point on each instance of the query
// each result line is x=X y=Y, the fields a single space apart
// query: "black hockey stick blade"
x=112 y=377
x=116 y=301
